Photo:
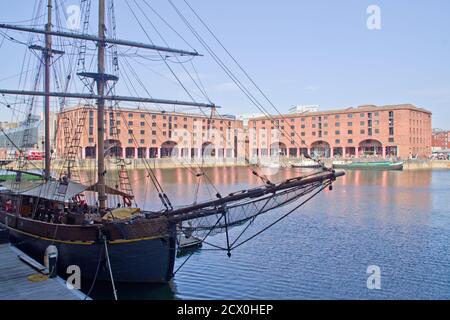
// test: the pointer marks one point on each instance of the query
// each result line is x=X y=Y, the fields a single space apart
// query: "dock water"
x=16 y=283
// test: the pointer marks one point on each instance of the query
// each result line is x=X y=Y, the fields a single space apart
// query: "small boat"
x=368 y=165
x=305 y=164
x=187 y=244
x=273 y=165
x=9 y=175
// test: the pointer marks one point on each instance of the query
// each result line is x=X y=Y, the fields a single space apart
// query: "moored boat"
x=368 y=165
x=306 y=163
x=9 y=175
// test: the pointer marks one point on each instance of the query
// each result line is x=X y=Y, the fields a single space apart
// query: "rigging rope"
x=109 y=268
x=283 y=217
x=233 y=77
x=168 y=66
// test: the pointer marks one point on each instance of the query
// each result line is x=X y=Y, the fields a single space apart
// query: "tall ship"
x=97 y=225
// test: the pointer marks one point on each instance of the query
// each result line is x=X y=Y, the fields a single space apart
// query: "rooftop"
x=205 y=114
x=364 y=108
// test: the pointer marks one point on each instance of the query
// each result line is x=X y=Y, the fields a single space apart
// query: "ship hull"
x=371 y=166
x=144 y=261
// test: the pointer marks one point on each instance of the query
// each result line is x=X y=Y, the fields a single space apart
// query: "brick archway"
x=208 y=150
x=169 y=149
x=113 y=148
x=321 y=149
x=371 y=147
x=278 y=149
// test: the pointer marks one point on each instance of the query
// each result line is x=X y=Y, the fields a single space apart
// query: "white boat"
x=306 y=163
x=185 y=243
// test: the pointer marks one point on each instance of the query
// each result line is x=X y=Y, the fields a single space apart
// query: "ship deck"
x=15 y=285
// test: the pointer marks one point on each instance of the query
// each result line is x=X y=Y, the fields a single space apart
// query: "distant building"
x=396 y=130
x=22 y=135
x=303 y=109
x=8 y=125
x=246 y=117
x=25 y=135
x=138 y=134
x=440 y=140
x=381 y=131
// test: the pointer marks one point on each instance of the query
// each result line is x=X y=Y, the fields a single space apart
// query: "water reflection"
x=104 y=291
x=183 y=187
x=397 y=220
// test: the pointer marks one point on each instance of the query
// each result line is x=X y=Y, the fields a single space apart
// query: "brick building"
x=395 y=130
x=440 y=140
x=388 y=131
x=137 y=134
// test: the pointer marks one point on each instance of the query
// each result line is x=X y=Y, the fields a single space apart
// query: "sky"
x=299 y=52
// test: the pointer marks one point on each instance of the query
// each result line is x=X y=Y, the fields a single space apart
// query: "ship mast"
x=101 y=79
x=101 y=106
x=47 y=79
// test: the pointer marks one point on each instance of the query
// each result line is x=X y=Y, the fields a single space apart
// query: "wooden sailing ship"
x=125 y=244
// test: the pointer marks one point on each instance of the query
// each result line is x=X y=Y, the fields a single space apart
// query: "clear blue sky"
x=299 y=52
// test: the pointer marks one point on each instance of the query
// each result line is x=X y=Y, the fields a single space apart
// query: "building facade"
x=440 y=140
x=138 y=134
x=27 y=135
x=389 y=131
x=399 y=131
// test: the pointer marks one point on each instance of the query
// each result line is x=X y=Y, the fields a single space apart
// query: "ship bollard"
x=51 y=261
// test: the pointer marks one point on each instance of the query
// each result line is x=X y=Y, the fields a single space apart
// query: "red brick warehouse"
x=388 y=131
x=138 y=134
x=395 y=131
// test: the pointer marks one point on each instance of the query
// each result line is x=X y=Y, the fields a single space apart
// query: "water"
x=399 y=221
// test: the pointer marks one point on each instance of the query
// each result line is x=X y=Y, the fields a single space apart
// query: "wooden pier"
x=16 y=284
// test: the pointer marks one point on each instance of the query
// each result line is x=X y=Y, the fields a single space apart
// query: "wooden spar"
x=101 y=107
x=192 y=212
x=107 y=98
x=97 y=39
x=47 y=78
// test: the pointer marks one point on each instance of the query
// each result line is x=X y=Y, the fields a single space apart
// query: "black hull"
x=145 y=261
